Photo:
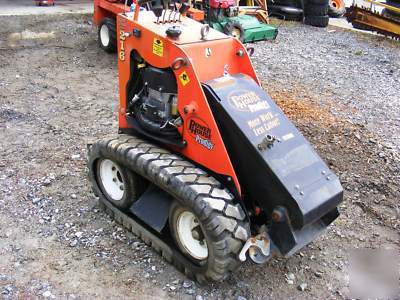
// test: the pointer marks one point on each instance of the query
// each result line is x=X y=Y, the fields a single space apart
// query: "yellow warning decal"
x=158 y=47
x=184 y=78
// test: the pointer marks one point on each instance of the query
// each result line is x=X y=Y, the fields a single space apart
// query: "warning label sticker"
x=184 y=78
x=158 y=47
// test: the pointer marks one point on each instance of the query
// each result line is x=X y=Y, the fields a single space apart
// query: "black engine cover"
x=289 y=172
x=162 y=80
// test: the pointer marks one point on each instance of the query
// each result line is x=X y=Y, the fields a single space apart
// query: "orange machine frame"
x=206 y=59
x=111 y=8
x=107 y=8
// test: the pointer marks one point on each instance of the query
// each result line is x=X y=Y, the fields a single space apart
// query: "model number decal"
x=158 y=47
x=201 y=133
x=122 y=39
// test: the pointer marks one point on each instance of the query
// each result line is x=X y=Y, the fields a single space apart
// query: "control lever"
x=165 y=5
x=158 y=10
x=175 y=12
x=172 y=7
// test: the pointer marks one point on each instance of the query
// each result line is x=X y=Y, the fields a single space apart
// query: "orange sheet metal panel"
x=195 y=14
x=200 y=131
x=104 y=8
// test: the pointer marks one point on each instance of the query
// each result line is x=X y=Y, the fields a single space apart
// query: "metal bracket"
x=152 y=207
x=267 y=142
x=259 y=248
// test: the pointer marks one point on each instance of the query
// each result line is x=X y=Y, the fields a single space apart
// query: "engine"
x=220 y=9
x=155 y=105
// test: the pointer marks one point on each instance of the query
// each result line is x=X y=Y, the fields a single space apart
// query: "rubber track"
x=192 y=187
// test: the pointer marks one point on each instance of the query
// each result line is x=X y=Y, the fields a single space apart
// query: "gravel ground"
x=58 y=91
x=352 y=72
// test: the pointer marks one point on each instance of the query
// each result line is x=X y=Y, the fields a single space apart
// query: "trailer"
x=104 y=17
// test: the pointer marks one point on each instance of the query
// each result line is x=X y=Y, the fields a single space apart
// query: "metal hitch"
x=259 y=248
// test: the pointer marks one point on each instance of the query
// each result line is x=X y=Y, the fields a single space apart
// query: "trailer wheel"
x=317 y=2
x=234 y=29
x=119 y=185
x=317 y=21
x=107 y=35
x=337 y=8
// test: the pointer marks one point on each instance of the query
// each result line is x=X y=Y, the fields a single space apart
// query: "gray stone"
x=318 y=274
x=47 y=294
x=187 y=284
x=290 y=278
x=190 y=291
x=302 y=287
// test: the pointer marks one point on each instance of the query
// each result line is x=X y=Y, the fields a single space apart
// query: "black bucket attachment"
x=277 y=167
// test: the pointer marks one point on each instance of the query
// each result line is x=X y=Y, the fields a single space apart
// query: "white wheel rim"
x=112 y=179
x=104 y=35
x=236 y=33
x=188 y=230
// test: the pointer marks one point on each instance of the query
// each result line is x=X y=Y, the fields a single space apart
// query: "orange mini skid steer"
x=205 y=168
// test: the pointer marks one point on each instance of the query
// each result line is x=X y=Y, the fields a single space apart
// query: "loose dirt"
x=59 y=91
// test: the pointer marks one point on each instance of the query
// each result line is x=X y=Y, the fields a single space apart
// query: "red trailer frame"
x=44 y=2
x=107 y=8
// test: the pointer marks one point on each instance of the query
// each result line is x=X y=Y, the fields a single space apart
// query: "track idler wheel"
x=208 y=228
x=118 y=184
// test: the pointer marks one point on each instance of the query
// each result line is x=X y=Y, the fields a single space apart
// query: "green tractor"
x=224 y=16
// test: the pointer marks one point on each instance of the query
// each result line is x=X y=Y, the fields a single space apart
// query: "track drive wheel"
x=106 y=35
x=189 y=234
x=207 y=225
x=118 y=184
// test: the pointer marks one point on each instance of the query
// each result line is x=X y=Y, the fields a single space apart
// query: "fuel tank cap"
x=173 y=32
